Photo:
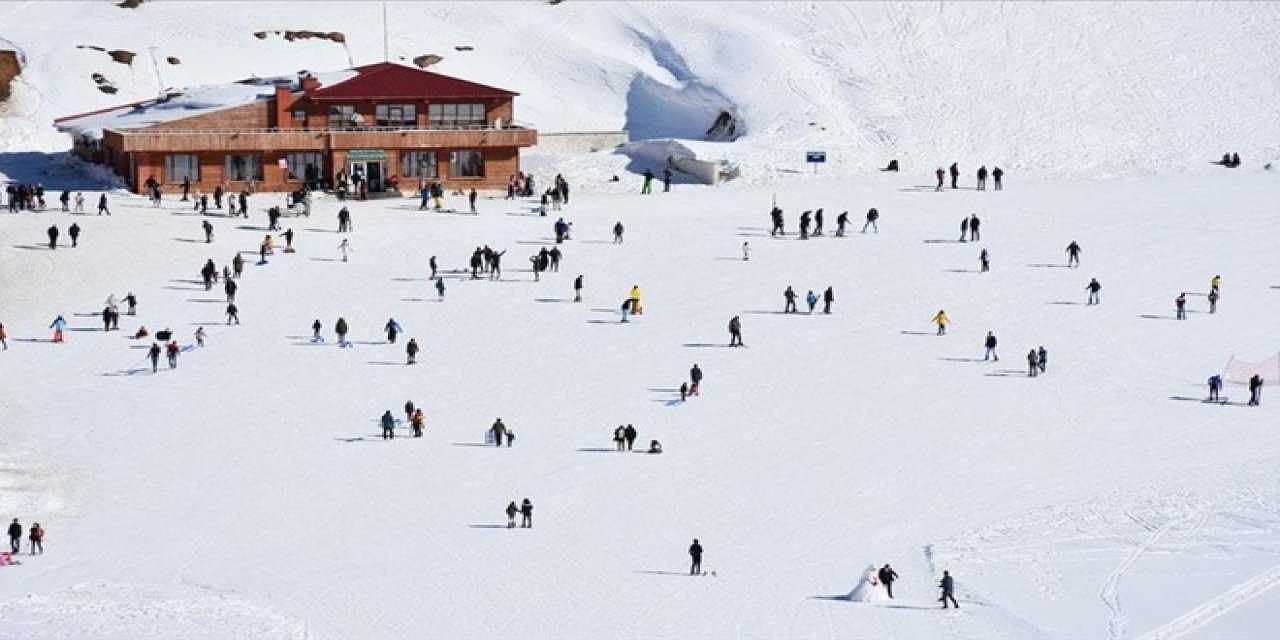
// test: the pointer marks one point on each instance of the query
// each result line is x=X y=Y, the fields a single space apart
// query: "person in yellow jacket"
x=417 y=420
x=942 y=321
x=1215 y=283
x=636 y=309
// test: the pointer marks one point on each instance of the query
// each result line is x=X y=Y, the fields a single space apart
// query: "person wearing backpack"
x=872 y=216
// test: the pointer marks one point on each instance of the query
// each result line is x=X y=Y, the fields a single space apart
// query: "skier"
x=942 y=175
x=1213 y=302
x=526 y=514
x=828 y=297
x=973 y=227
x=695 y=555
x=775 y=216
x=388 y=426
x=1033 y=363
x=1093 y=288
x=942 y=321
x=982 y=181
x=984 y=261
x=53 y=236
x=955 y=175
x=154 y=355
x=1215 y=386
x=233 y=313
x=392 y=328
x=647 y=187
x=1255 y=390
x=512 y=510
x=790 y=296
x=440 y=289
x=735 y=332
x=577 y=289
x=617 y=232
x=1180 y=303
x=411 y=350
x=629 y=434
x=59 y=323
x=15 y=536
x=996 y=175
x=991 y=348
x=1042 y=357
x=746 y=251
x=812 y=300
x=345 y=248
x=948 y=588
x=964 y=229
x=200 y=336
x=74 y=232
x=872 y=217
x=208 y=231
x=341 y=329
x=1073 y=254
x=887 y=575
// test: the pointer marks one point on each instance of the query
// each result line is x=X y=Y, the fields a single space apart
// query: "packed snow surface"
x=248 y=493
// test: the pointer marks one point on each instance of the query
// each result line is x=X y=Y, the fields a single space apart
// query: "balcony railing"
x=324 y=138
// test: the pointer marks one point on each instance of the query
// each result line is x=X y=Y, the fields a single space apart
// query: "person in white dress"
x=869 y=589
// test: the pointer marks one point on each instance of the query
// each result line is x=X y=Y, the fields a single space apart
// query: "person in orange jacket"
x=942 y=321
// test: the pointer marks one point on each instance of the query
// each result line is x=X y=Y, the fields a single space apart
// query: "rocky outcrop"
x=10 y=68
x=428 y=60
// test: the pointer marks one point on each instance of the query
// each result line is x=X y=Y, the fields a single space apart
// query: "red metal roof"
x=386 y=80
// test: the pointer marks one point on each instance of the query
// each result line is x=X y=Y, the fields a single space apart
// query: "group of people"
x=73 y=232
x=811 y=299
x=35 y=536
x=996 y=174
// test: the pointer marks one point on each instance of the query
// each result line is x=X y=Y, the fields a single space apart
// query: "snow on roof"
x=191 y=102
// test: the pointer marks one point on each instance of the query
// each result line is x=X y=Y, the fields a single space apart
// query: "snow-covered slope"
x=248 y=492
x=1083 y=89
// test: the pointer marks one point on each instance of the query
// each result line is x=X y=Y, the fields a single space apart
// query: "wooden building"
x=392 y=125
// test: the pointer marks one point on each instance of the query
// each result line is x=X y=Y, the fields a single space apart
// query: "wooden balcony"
x=232 y=140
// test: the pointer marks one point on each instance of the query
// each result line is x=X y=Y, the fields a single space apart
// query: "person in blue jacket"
x=1215 y=386
x=393 y=329
x=812 y=299
x=388 y=426
x=59 y=323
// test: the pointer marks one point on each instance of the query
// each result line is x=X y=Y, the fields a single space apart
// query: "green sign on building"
x=365 y=155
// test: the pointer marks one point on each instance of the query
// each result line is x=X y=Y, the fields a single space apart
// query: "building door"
x=370 y=165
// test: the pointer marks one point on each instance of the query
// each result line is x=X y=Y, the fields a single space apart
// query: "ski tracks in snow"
x=1217 y=607
x=1110 y=587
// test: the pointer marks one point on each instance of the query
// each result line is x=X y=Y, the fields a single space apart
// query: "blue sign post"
x=815 y=158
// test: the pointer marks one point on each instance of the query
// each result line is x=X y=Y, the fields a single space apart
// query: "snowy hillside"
x=1074 y=89
x=248 y=492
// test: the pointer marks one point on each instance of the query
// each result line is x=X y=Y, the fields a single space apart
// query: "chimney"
x=309 y=84
x=283 y=103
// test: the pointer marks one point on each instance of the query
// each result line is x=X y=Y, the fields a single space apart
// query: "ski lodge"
x=393 y=126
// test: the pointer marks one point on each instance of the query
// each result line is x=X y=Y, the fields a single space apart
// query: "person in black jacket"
x=53 y=236
x=887 y=575
x=974 y=223
x=526 y=514
x=15 y=535
x=512 y=510
x=735 y=332
x=629 y=434
x=948 y=590
x=695 y=554
x=790 y=296
x=997 y=175
x=154 y=355
x=828 y=297
x=695 y=375
x=74 y=232
x=982 y=178
x=775 y=215
x=991 y=348
x=1255 y=390
x=955 y=175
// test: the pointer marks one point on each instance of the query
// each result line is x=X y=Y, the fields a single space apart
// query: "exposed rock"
x=107 y=88
x=122 y=56
x=261 y=35
x=99 y=78
x=173 y=60
x=336 y=36
x=427 y=60
x=129 y=4
x=10 y=67
x=724 y=128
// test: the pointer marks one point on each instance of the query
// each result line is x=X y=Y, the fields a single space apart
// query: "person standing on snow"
x=982 y=178
x=1042 y=357
x=948 y=586
x=411 y=350
x=1213 y=302
x=229 y=287
x=790 y=297
x=471 y=200
x=984 y=261
x=666 y=179
x=74 y=232
x=53 y=237
x=102 y=205
x=811 y=299
x=315 y=331
x=577 y=289
x=775 y=216
x=804 y=225
x=512 y=510
x=695 y=557
x=942 y=321
x=990 y=344
x=200 y=336
x=942 y=176
x=1073 y=254
x=955 y=175
x=735 y=332
x=1180 y=305
x=526 y=514
x=345 y=249
x=36 y=536
x=15 y=536
x=416 y=421
x=233 y=313
x=817 y=222
x=1093 y=288
x=973 y=228
x=1033 y=363
x=1215 y=386
x=828 y=297
x=872 y=216
x=4 y=337
x=997 y=174
x=964 y=230
x=153 y=354
x=388 y=426
x=341 y=329
x=172 y=350
x=440 y=289
x=1255 y=390
x=629 y=435
x=647 y=187
x=746 y=251
x=208 y=231
x=842 y=221
x=617 y=232
x=498 y=430
x=59 y=323
x=887 y=575
x=695 y=376
x=393 y=329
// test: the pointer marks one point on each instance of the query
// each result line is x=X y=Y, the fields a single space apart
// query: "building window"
x=456 y=115
x=300 y=118
x=243 y=168
x=342 y=116
x=304 y=166
x=396 y=115
x=180 y=166
x=466 y=164
x=419 y=164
